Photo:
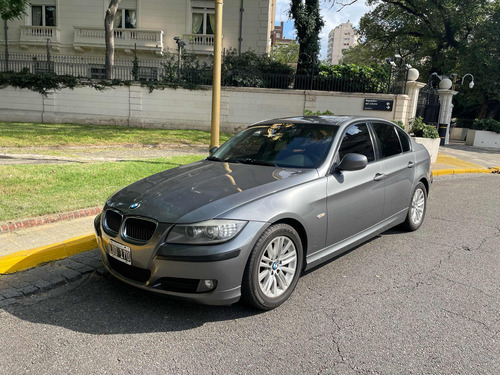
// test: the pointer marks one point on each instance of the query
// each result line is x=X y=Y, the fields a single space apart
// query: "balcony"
x=38 y=36
x=125 y=39
x=200 y=43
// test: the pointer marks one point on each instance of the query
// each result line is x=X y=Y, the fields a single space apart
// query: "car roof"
x=323 y=120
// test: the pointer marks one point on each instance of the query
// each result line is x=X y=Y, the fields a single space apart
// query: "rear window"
x=388 y=140
x=405 y=140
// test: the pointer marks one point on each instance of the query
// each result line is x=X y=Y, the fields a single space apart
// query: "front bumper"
x=180 y=270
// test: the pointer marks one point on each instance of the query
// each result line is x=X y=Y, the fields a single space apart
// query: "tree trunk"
x=6 y=47
x=109 y=36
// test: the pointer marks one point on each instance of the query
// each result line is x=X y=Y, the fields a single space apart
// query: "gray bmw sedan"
x=278 y=198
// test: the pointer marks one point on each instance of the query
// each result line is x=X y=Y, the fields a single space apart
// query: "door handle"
x=411 y=164
x=379 y=176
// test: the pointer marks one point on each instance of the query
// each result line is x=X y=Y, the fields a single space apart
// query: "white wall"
x=180 y=108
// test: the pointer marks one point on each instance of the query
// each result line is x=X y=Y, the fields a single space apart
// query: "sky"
x=332 y=18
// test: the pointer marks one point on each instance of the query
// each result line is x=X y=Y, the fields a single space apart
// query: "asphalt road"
x=427 y=302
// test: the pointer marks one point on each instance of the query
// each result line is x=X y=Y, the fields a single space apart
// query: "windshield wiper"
x=256 y=162
x=214 y=158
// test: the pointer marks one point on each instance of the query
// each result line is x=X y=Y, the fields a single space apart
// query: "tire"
x=417 y=208
x=270 y=276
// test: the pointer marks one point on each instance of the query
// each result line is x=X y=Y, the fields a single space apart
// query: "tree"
x=285 y=53
x=443 y=36
x=9 y=10
x=109 y=36
x=308 y=24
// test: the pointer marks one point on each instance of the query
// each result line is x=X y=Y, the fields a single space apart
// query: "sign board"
x=378 y=105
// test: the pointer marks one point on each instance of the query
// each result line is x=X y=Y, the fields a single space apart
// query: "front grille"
x=140 y=275
x=112 y=222
x=179 y=285
x=139 y=229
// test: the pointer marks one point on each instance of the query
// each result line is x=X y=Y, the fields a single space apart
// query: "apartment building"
x=76 y=27
x=343 y=37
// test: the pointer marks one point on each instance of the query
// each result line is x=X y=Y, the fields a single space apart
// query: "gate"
x=428 y=105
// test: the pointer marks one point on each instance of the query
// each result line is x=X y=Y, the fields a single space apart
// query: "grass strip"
x=35 y=190
x=14 y=134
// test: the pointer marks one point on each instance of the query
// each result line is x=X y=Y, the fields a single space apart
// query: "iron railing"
x=163 y=70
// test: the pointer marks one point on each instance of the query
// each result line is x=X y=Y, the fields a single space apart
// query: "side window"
x=405 y=140
x=387 y=139
x=357 y=140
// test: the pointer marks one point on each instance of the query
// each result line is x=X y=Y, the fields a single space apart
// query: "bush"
x=488 y=124
x=421 y=129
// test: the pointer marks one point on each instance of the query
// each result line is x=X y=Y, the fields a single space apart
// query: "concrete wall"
x=180 y=108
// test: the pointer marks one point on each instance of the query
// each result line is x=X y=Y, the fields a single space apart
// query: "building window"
x=203 y=20
x=125 y=19
x=43 y=15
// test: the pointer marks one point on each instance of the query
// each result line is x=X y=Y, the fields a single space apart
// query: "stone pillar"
x=445 y=111
x=412 y=90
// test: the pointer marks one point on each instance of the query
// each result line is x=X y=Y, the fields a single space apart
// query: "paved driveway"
x=424 y=303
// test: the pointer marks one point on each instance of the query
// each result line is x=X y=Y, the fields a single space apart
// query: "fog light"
x=209 y=284
x=206 y=286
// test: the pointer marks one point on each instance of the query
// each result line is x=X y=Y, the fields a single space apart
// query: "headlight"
x=206 y=232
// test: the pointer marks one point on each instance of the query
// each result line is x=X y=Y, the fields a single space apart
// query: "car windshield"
x=284 y=145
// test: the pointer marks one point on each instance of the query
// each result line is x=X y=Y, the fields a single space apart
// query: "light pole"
x=180 y=45
x=471 y=84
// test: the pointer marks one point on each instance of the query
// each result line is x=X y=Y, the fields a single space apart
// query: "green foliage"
x=308 y=112
x=488 y=124
x=443 y=36
x=251 y=70
x=285 y=53
x=308 y=24
x=135 y=68
x=400 y=124
x=41 y=83
x=375 y=76
x=11 y=9
x=421 y=129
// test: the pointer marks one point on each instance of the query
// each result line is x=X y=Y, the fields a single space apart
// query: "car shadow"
x=101 y=305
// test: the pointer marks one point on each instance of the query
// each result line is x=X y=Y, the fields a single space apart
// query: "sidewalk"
x=27 y=244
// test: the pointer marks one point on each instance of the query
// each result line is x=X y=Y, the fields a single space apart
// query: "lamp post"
x=471 y=84
x=392 y=65
x=180 y=45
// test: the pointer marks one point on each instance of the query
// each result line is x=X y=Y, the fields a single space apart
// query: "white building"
x=341 y=38
x=76 y=27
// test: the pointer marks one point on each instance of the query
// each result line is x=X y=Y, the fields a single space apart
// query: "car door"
x=355 y=199
x=397 y=163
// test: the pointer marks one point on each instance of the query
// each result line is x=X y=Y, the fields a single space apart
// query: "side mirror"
x=352 y=162
x=212 y=150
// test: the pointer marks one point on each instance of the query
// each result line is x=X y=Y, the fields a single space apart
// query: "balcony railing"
x=151 y=40
x=38 y=35
x=200 y=42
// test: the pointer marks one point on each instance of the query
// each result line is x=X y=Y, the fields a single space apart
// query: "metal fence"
x=163 y=70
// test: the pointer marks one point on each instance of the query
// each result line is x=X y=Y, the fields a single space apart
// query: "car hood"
x=203 y=190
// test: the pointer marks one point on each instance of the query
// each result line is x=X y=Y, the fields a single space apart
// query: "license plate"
x=120 y=252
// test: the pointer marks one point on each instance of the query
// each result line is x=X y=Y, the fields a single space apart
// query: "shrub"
x=308 y=112
x=421 y=129
x=488 y=124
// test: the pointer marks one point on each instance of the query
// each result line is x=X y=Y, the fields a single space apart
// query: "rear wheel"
x=274 y=267
x=416 y=211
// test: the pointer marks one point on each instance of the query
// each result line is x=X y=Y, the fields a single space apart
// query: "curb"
x=25 y=259
x=11 y=226
x=451 y=171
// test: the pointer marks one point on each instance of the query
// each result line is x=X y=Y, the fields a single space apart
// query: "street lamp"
x=180 y=45
x=471 y=84
x=392 y=65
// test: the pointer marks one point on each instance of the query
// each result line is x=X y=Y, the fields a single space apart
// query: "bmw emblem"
x=134 y=205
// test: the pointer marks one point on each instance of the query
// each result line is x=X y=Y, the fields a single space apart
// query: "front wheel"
x=416 y=211
x=274 y=267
